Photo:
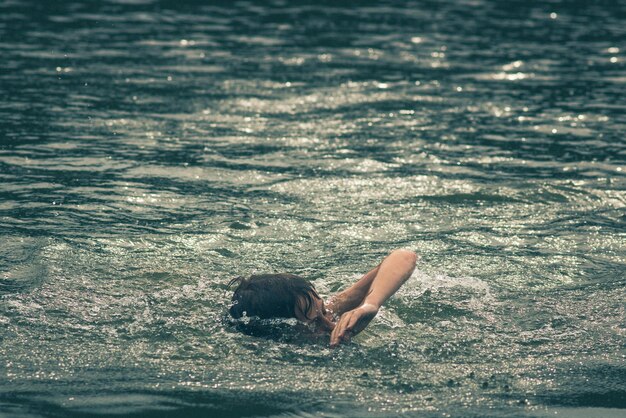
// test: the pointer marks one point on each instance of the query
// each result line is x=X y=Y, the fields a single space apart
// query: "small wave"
x=440 y=297
x=442 y=283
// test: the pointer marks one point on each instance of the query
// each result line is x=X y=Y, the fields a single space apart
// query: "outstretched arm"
x=354 y=295
x=387 y=278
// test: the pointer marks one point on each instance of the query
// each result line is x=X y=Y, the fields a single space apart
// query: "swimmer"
x=343 y=316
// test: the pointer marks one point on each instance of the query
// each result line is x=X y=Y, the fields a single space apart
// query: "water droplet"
x=325 y=57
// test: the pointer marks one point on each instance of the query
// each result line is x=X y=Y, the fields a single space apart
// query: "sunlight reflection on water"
x=151 y=151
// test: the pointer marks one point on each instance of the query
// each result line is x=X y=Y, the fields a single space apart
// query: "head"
x=278 y=296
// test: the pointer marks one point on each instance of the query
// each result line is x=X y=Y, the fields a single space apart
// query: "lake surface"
x=151 y=151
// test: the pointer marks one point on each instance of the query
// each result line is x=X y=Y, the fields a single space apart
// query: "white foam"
x=421 y=282
x=468 y=293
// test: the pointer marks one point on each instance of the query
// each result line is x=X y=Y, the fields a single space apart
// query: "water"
x=150 y=151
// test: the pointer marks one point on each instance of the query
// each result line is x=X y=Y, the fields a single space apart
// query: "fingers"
x=334 y=336
x=352 y=322
x=343 y=328
x=340 y=328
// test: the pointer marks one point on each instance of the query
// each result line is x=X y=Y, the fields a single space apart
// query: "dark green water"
x=150 y=151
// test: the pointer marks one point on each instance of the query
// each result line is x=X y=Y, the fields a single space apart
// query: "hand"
x=352 y=322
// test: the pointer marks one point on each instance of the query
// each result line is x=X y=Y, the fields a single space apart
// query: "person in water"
x=343 y=316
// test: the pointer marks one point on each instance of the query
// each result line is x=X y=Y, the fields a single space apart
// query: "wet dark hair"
x=271 y=296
